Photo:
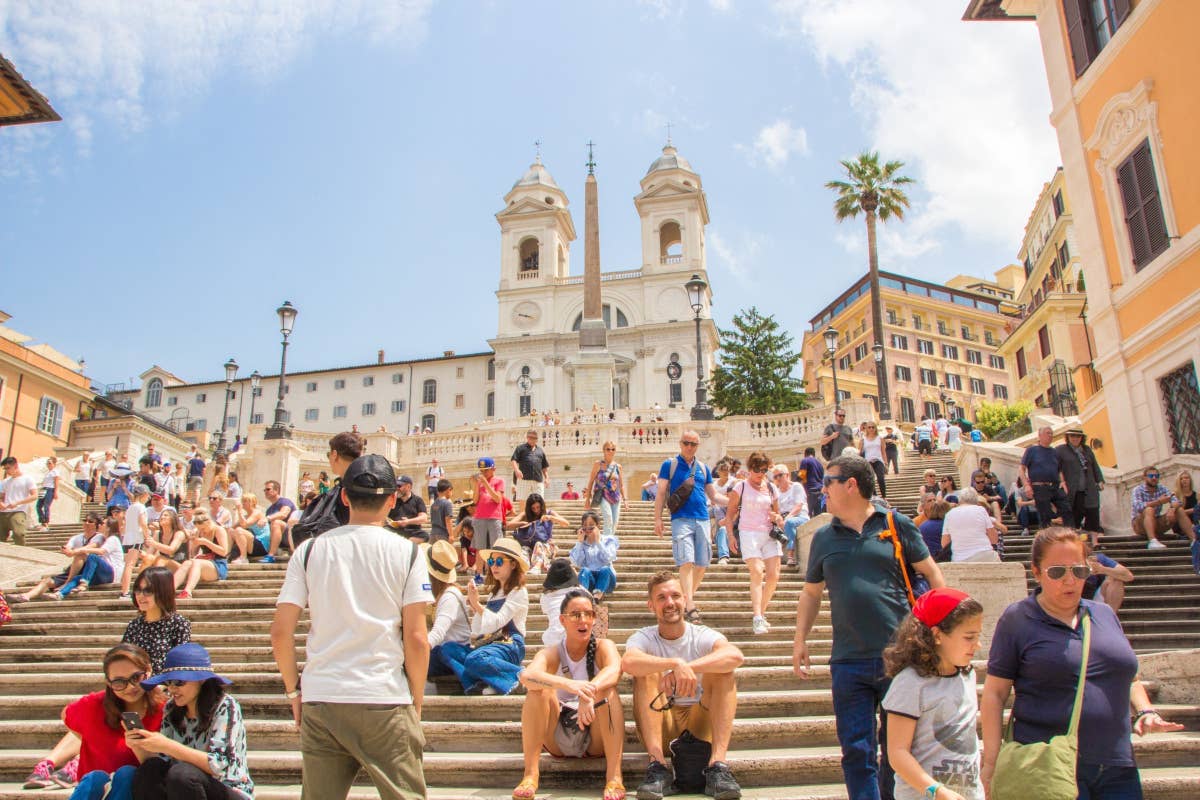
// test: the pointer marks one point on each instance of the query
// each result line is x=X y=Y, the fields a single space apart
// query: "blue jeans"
x=95 y=571
x=722 y=543
x=1196 y=555
x=600 y=580
x=447 y=659
x=790 y=526
x=43 y=506
x=497 y=665
x=611 y=514
x=1028 y=517
x=91 y=786
x=1096 y=782
x=858 y=689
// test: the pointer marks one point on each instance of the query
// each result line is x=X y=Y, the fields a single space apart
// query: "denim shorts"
x=689 y=542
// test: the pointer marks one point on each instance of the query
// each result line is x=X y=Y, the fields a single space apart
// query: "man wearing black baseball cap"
x=366 y=590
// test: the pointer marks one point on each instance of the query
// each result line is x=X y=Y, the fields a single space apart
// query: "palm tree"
x=874 y=189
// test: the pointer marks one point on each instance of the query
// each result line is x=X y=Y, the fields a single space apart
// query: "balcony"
x=672 y=259
x=944 y=330
x=528 y=274
x=858 y=331
x=990 y=341
x=921 y=326
x=970 y=337
x=896 y=322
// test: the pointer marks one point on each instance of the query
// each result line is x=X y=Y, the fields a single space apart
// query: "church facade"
x=531 y=361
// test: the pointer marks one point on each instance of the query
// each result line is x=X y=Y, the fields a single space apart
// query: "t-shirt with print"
x=102 y=747
x=945 y=742
x=696 y=506
x=357 y=583
x=441 y=516
x=697 y=641
x=224 y=742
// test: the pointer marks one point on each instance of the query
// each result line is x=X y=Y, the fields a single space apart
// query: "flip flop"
x=614 y=790
x=526 y=789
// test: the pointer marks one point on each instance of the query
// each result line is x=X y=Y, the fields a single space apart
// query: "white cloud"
x=964 y=105
x=775 y=143
x=126 y=62
x=739 y=255
x=721 y=6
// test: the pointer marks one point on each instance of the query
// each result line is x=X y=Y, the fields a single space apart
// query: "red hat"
x=933 y=606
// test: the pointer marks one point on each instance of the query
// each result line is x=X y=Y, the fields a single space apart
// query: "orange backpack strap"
x=898 y=546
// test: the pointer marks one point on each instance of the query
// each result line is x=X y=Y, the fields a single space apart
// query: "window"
x=1044 y=341
x=903 y=373
x=311 y=415
x=929 y=377
x=368 y=409
x=943 y=328
x=429 y=391
x=368 y=380
x=842 y=395
x=460 y=401
x=606 y=312
x=966 y=334
x=233 y=394
x=1181 y=402
x=932 y=409
x=974 y=357
x=1143 y=207
x=899 y=342
x=860 y=352
x=950 y=351
x=845 y=362
x=458 y=372
x=907 y=412
x=491 y=371
x=397 y=406
x=397 y=377
x=490 y=404
x=1064 y=256
x=197 y=425
x=874 y=401
x=254 y=393
x=999 y=392
x=1021 y=370
x=429 y=423
x=172 y=401
x=311 y=386
x=231 y=423
x=202 y=397
x=953 y=382
x=257 y=419
x=50 y=416
x=1090 y=26
x=996 y=362
x=339 y=383
x=892 y=317
x=154 y=393
x=978 y=386
x=990 y=339
x=676 y=393
x=525 y=405
x=1059 y=208
x=339 y=412
x=917 y=322
x=287 y=388
x=925 y=347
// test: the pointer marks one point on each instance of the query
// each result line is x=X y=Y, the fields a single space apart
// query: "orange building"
x=1126 y=111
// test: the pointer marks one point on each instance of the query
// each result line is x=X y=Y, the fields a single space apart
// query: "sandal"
x=526 y=789
x=614 y=790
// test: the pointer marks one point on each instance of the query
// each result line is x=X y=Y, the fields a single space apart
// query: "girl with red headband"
x=932 y=705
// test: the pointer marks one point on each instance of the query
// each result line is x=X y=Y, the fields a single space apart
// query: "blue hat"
x=487 y=462
x=187 y=662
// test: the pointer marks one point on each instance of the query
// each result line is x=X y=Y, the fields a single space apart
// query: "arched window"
x=491 y=405
x=491 y=371
x=429 y=391
x=670 y=243
x=428 y=423
x=154 y=393
x=529 y=255
x=607 y=312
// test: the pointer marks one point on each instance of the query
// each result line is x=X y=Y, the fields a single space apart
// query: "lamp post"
x=255 y=384
x=287 y=318
x=231 y=369
x=695 y=289
x=883 y=407
x=523 y=383
x=831 y=337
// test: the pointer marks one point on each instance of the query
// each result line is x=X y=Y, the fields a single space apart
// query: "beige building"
x=940 y=343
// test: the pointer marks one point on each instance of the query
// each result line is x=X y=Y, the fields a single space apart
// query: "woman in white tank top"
x=871 y=447
x=754 y=508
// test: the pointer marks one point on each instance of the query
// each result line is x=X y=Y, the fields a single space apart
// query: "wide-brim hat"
x=187 y=662
x=121 y=470
x=560 y=575
x=507 y=547
x=442 y=559
x=1075 y=432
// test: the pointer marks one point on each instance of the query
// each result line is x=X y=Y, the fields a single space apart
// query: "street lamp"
x=695 y=289
x=255 y=384
x=877 y=352
x=523 y=383
x=831 y=337
x=287 y=318
x=231 y=369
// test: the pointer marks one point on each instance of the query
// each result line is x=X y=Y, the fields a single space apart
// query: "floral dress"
x=224 y=742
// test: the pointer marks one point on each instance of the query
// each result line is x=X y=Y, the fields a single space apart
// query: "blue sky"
x=219 y=157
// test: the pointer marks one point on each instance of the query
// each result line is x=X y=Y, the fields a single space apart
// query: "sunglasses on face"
x=144 y=590
x=121 y=684
x=495 y=562
x=588 y=529
x=580 y=616
x=829 y=480
x=690 y=444
x=1152 y=476
x=1057 y=573
x=175 y=683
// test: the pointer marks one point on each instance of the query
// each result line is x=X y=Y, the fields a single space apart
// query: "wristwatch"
x=292 y=695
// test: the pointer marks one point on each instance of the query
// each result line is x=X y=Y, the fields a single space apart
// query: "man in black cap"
x=366 y=590
x=410 y=513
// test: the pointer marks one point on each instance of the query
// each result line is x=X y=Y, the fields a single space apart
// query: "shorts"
x=759 y=544
x=680 y=718
x=487 y=533
x=925 y=447
x=222 y=566
x=415 y=533
x=571 y=740
x=527 y=487
x=689 y=542
x=129 y=547
x=196 y=482
x=259 y=548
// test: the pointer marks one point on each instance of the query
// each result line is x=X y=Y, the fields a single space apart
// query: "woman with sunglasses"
x=754 y=508
x=157 y=628
x=251 y=533
x=497 y=627
x=96 y=719
x=606 y=488
x=572 y=709
x=200 y=754
x=534 y=529
x=208 y=552
x=594 y=555
x=168 y=548
x=1037 y=650
x=870 y=447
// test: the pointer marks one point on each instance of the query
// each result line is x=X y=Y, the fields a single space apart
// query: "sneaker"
x=68 y=776
x=1024 y=531
x=719 y=782
x=487 y=691
x=183 y=595
x=126 y=596
x=1155 y=544
x=723 y=560
x=791 y=562
x=267 y=560
x=759 y=625
x=41 y=778
x=657 y=783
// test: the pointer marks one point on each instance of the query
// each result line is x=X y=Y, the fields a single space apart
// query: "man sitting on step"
x=684 y=693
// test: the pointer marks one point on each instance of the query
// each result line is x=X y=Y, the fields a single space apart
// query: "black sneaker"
x=719 y=782
x=689 y=757
x=657 y=783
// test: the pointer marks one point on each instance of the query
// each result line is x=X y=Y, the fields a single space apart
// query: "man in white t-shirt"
x=366 y=590
x=18 y=493
x=683 y=693
x=433 y=474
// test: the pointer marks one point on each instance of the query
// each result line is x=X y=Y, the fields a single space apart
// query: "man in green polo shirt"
x=868 y=600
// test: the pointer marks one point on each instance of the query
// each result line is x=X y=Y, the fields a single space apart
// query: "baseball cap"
x=369 y=475
x=487 y=462
x=403 y=479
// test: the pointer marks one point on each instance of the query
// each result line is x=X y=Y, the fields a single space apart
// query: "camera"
x=778 y=535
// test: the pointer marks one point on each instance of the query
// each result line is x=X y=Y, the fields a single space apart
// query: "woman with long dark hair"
x=534 y=530
x=169 y=548
x=157 y=628
x=497 y=627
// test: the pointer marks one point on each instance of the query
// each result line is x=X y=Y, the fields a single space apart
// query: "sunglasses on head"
x=495 y=561
x=121 y=684
x=829 y=480
x=1057 y=572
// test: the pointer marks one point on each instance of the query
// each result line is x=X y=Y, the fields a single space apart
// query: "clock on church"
x=526 y=314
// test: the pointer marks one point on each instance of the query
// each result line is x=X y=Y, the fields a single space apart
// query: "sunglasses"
x=144 y=590
x=759 y=470
x=1057 y=573
x=662 y=702
x=829 y=480
x=174 y=683
x=614 y=449
x=1152 y=475
x=495 y=562
x=588 y=529
x=690 y=444
x=214 y=497
x=121 y=684
x=580 y=616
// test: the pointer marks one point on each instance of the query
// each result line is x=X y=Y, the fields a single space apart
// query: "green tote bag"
x=1043 y=770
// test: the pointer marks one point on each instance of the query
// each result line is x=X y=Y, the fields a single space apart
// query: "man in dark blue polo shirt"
x=1044 y=482
x=868 y=600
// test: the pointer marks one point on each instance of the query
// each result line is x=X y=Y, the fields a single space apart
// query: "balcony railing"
x=527 y=275
x=672 y=259
x=921 y=326
x=943 y=329
x=970 y=337
x=896 y=322
x=990 y=341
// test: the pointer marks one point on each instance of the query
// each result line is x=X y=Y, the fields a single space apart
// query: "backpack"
x=323 y=514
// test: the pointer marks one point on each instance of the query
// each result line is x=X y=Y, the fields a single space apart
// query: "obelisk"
x=593 y=368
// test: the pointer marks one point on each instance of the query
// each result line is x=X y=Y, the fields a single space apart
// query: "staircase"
x=784 y=741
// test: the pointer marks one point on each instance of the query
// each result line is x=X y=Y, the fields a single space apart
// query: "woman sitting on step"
x=594 y=555
x=157 y=628
x=169 y=548
x=572 y=708
x=450 y=633
x=251 y=533
x=498 y=626
x=102 y=565
x=534 y=530
x=208 y=552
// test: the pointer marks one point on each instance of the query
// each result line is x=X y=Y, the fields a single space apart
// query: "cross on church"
x=669 y=126
x=591 y=162
x=537 y=147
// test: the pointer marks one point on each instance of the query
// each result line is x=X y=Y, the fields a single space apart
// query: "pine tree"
x=754 y=368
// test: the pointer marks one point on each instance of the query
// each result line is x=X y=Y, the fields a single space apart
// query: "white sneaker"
x=723 y=560
x=1155 y=544
x=760 y=625
x=489 y=690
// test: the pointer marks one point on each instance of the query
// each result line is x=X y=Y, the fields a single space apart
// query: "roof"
x=536 y=175
x=20 y=103
x=670 y=159
x=991 y=11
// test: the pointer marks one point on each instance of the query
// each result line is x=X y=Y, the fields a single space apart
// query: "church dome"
x=536 y=175
x=670 y=159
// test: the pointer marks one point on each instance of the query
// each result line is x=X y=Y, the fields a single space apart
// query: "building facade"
x=941 y=345
x=1125 y=110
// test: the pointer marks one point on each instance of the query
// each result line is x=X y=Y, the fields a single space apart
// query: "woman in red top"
x=95 y=718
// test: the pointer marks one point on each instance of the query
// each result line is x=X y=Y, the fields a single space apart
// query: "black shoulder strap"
x=308 y=553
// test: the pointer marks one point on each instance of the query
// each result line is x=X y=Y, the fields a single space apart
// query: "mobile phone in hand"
x=131 y=721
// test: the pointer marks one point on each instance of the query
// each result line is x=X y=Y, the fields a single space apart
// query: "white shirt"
x=114 y=554
x=356 y=586
x=83 y=470
x=134 y=516
x=49 y=478
x=697 y=641
x=19 y=487
x=873 y=448
x=954 y=435
x=551 y=603
x=968 y=527
x=450 y=621
x=515 y=609
x=794 y=496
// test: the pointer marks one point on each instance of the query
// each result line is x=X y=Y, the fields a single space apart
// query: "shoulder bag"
x=1044 y=770
x=678 y=498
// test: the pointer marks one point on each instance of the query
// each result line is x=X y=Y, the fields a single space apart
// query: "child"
x=932 y=704
x=441 y=513
x=464 y=529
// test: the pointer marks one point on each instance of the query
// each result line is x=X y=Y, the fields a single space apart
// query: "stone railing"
x=795 y=429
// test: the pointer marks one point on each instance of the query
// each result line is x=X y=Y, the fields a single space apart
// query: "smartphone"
x=132 y=721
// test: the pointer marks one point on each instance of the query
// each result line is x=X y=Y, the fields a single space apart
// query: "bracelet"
x=932 y=791
x=1145 y=712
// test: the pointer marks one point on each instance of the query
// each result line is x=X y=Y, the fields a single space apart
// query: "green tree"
x=754 y=368
x=875 y=190
x=991 y=418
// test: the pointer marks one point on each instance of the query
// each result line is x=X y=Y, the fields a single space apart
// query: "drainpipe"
x=12 y=431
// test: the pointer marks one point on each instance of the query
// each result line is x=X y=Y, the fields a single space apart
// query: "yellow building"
x=20 y=103
x=940 y=345
x=1126 y=111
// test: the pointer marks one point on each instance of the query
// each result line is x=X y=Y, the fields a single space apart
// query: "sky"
x=217 y=157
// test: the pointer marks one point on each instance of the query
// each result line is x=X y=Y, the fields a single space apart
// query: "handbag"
x=1043 y=770
x=683 y=492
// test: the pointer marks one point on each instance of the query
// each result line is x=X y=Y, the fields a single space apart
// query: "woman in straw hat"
x=497 y=627
x=450 y=634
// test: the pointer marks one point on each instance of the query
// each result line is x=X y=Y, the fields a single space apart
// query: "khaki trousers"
x=15 y=521
x=385 y=740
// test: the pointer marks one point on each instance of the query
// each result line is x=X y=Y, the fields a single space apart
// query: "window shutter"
x=1121 y=10
x=1143 y=206
x=1077 y=17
